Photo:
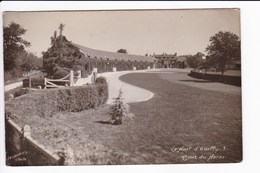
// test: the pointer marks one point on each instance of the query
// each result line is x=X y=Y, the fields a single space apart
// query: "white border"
x=250 y=36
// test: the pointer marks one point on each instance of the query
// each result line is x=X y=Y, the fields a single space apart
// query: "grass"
x=178 y=115
x=182 y=115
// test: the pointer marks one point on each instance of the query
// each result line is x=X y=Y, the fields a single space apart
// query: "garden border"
x=226 y=79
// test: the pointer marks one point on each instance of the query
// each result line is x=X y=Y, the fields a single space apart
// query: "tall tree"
x=13 y=45
x=224 y=48
x=61 y=55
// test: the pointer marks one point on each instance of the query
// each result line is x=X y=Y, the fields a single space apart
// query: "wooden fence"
x=56 y=83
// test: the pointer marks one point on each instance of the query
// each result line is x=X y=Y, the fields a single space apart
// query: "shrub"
x=102 y=88
x=101 y=80
x=48 y=102
x=21 y=92
x=119 y=110
x=12 y=91
x=61 y=73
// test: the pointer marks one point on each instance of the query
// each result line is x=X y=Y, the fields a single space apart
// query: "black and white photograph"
x=122 y=87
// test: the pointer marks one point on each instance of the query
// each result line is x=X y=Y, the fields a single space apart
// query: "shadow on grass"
x=103 y=122
x=197 y=81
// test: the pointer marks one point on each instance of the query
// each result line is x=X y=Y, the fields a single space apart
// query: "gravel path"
x=12 y=86
x=130 y=92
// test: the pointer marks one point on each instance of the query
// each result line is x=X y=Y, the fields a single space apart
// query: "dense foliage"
x=121 y=51
x=224 y=48
x=13 y=45
x=61 y=73
x=195 y=61
x=61 y=54
x=16 y=59
x=30 y=62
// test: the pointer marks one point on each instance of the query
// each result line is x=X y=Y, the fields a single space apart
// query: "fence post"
x=153 y=65
x=45 y=82
x=71 y=78
x=30 y=83
x=26 y=130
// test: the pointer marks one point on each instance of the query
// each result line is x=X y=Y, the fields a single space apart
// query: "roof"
x=93 y=53
x=170 y=57
x=181 y=58
x=167 y=57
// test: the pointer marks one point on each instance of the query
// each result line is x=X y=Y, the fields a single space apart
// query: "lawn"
x=179 y=115
x=182 y=115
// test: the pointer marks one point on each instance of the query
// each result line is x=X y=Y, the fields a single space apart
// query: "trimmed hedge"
x=46 y=103
x=231 y=80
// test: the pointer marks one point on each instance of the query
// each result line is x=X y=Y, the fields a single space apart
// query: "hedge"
x=47 y=102
x=231 y=80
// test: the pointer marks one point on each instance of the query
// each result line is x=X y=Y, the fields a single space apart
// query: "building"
x=64 y=55
x=171 y=60
x=105 y=61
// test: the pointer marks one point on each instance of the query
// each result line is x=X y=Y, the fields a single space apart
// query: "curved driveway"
x=130 y=93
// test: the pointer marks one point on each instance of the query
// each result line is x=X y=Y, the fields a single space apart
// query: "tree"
x=224 y=48
x=30 y=62
x=61 y=54
x=195 y=61
x=13 y=45
x=122 y=51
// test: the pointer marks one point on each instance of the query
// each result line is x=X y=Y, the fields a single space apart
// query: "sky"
x=140 y=32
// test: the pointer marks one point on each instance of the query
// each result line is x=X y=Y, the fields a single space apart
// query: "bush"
x=21 y=92
x=119 y=111
x=46 y=103
x=12 y=91
x=101 y=80
x=102 y=88
x=61 y=73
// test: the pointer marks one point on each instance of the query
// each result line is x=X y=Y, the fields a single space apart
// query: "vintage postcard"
x=122 y=87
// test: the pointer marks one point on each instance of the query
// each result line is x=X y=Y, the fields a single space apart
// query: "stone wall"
x=23 y=150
